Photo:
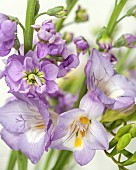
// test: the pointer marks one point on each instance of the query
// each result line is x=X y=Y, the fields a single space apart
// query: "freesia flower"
x=8 y=30
x=115 y=90
x=79 y=131
x=26 y=127
x=27 y=74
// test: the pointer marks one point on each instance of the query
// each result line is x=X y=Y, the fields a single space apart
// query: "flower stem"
x=22 y=161
x=114 y=16
x=38 y=15
x=48 y=161
x=30 y=20
x=59 y=24
x=12 y=160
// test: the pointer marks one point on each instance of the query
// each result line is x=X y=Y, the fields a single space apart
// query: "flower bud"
x=124 y=141
x=59 y=12
x=68 y=36
x=123 y=130
x=81 y=44
x=127 y=40
x=81 y=15
x=131 y=12
x=103 y=40
x=130 y=161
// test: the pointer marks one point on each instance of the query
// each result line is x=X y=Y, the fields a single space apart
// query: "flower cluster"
x=41 y=115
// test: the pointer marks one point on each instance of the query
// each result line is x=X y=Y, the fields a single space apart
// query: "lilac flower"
x=26 y=127
x=26 y=74
x=8 y=30
x=81 y=44
x=109 y=56
x=78 y=131
x=115 y=90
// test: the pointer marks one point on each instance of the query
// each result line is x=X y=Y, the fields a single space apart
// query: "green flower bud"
x=81 y=15
x=131 y=12
x=103 y=40
x=59 y=12
x=68 y=36
x=37 y=7
x=124 y=141
x=17 y=44
x=123 y=130
x=130 y=161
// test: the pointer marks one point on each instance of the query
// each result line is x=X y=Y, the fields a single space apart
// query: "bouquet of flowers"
x=54 y=108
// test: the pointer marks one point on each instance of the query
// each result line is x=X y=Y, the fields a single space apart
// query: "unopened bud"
x=59 y=12
x=68 y=36
x=130 y=161
x=131 y=12
x=103 y=40
x=124 y=141
x=81 y=15
x=127 y=40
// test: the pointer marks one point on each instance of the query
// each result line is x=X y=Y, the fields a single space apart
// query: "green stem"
x=114 y=16
x=22 y=161
x=121 y=19
x=12 y=160
x=23 y=28
x=69 y=23
x=38 y=15
x=30 y=20
x=48 y=160
x=59 y=24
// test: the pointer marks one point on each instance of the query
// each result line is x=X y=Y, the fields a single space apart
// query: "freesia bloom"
x=114 y=90
x=78 y=131
x=27 y=74
x=26 y=127
x=8 y=30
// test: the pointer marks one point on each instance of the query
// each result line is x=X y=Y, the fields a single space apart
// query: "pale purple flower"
x=81 y=44
x=115 y=90
x=27 y=74
x=26 y=127
x=78 y=131
x=111 y=57
x=8 y=30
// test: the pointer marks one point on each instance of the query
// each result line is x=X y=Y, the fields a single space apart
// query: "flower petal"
x=51 y=86
x=11 y=139
x=50 y=71
x=97 y=136
x=18 y=116
x=32 y=144
x=91 y=105
x=85 y=155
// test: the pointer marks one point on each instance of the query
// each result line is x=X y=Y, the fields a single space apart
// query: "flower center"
x=36 y=77
x=80 y=127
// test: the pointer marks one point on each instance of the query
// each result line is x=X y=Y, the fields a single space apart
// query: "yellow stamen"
x=78 y=142
x=40 y=126
x=84 y=120
x=82 y=133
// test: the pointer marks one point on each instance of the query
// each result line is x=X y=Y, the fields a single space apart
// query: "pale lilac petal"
x=17 y=116
x=97 y=136
x=42 y=50
x=52 y=87
x=11 y=139
x=119 y=86
x=15 y=70
x=91 y=105
x=50 y=71
x=122 y=102
x=85 y=155
x=32 y=144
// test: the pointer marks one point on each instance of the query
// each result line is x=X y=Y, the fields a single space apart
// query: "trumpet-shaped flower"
x=27 y=74
x=26 y=127
x=115 y=90
x=78 y=131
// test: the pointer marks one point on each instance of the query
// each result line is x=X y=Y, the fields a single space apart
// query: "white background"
x=99 y=11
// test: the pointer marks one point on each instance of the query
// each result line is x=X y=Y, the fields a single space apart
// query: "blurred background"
x=99 y=13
